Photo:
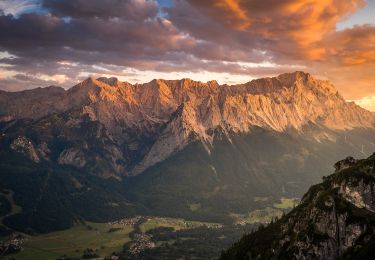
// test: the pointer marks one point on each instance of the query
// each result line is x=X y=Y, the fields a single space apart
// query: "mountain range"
x=106 y=149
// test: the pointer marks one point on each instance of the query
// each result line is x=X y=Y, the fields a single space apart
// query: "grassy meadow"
x=74 y=241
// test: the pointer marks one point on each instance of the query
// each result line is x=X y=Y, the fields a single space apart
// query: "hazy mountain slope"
x=335 y=219
x=31 y=103
x=263 y=164
x=53 y=197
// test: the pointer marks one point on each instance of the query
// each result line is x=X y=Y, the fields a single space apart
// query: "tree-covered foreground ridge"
x=334 y=220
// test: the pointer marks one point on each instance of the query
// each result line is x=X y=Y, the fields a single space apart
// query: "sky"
x=61 y=42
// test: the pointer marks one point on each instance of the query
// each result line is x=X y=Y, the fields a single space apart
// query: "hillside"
x=334 y=220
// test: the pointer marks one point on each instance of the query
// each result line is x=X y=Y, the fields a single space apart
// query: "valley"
x=167 y=168
x=106 y=239
x=141 y=236
x=187 y=130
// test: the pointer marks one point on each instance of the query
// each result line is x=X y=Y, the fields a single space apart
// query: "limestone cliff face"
x=360 y=193
x=73 y=157
x=25 y=146
x=337 y=221
x=334 y=219
x=289 y=100
x=155 y=119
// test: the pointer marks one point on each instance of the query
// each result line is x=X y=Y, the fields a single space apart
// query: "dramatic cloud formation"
x=126 y=9
x=288 y=28
x=44 y=42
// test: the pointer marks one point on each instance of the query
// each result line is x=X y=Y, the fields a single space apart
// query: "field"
x=266 y=215
x=74 y=241
x=259 y=216
x=106 y=238
x=176 y=224
x=286 y=203
x=103 y=238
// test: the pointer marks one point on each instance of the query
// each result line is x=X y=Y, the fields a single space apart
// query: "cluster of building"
x=140 y=242
x=128 y=221
x=12 y=245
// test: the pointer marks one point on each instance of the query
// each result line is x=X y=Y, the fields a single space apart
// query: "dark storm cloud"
x=130 y=35
x=46 y=37
x=126 y=9
x=79 y=37
x=42 y=38
x=33 y=31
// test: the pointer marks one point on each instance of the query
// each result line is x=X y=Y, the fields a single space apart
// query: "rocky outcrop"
x=72 y=156
x=346 y=163
x=25 y=146
x=360 y=193
x=334 y=219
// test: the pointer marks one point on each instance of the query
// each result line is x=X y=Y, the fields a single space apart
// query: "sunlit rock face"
x=289 y=100
x=156 y=119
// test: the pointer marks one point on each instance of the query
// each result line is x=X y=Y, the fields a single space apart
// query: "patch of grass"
x=74 y=241
x=261 y=199
x=261 y=216
x=176 y=224
x=194 y=206
x=37 y=254
x=286 y=203
x=168 y=242
x=97 y=236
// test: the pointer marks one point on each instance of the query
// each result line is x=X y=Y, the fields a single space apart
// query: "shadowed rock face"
x=170 y=114
x=346 y=163
x=334 y=219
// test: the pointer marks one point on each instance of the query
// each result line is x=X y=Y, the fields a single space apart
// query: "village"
x=12 y=245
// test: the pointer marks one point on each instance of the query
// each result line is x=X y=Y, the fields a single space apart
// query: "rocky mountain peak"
x=295 y=76
x=112 y=81
x=90 y=82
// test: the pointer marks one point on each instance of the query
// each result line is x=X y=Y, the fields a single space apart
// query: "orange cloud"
x=300 y=32
x=354 y=46
x=295 y=27
x=237 y=16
